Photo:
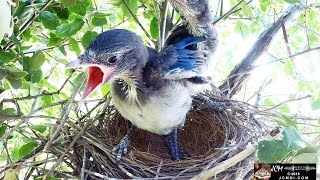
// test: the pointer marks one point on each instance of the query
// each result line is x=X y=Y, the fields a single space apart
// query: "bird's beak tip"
x=76 y=64
x=73 y=64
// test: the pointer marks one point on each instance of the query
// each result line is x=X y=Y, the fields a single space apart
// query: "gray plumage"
x=154 y=90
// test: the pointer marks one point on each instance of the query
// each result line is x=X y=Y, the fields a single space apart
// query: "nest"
x=215 y=130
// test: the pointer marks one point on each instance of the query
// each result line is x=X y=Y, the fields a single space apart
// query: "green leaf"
x=15 y=154
x=3 y=73
x=74 y=46
x=3 y=129
x=284 y=108
x=242 y=29
x=69 y=29
x=87 y=37
x=68 y=3
x=15 y=73
x=154 y=24
x=49 y=20
x=272 y=151
x=292 y=1
x=98 y=21
x=100 y=15
x=105 y=89
x=306 y=158
x=315 y=105
x=53 y=40
x=36 y=76
x=62 y=50
x=27 y=149
x=80 y=7
x=133 y=5
x=37 y=60
x=264 y=4
x=268 y=102
x=292 y=139
x=62 y=12
x=45 y=100
x=289 y=67
x=39 y=128
x=309 y=149
x=285 y=121
x=15 y=83
x=6 y=57
x=7 y=112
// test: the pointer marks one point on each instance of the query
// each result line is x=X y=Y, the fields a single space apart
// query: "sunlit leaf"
x=80 y=7
x=36 y=76
x=132 y=5
x=289 y=67
x=15 y=83
x=306 y=158
x=69 y=29
x=68 y=3
x=154 y=28
x=37 y=60
x=39 y=128
x=3 y=73
x=54 y=40
x=87 y=37
x=242 y=29
x=27 y=149
x=316 y=104
x=49 y=20
x=292 y=1
x=292 y=139
x=11 y=174
x=15 y=73
x=6 y=57
x=99 y=21
x=74 y=46
x=309 y=149
x=3 y=129
x=272 y=151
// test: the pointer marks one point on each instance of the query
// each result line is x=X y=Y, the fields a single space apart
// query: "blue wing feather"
x=187 y=58
x=178 y=60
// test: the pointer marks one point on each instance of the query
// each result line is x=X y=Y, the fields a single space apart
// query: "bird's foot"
x=122 y=147
x=173 y=146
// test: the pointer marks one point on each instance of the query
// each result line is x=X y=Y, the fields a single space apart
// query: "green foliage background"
x=35 y=86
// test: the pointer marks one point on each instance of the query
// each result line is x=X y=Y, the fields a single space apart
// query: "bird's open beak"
x=98 y=75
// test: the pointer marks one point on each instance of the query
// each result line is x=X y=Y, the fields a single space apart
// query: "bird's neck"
x=132 y=83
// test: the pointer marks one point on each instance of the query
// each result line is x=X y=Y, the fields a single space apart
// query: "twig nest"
x=216 y=129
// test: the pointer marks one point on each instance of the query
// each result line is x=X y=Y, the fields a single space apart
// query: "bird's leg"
x=122 y=147
x=173 y=146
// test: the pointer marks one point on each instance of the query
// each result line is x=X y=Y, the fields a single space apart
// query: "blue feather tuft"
x=187 y=42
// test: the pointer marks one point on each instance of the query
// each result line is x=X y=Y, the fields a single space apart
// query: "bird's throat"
x=95 y=77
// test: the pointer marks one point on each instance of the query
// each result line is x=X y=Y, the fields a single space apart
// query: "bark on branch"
x=241 y=72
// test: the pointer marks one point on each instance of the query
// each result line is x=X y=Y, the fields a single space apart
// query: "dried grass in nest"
x=216 y=129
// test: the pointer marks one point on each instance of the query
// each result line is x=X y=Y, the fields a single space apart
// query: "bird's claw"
x=121 y=148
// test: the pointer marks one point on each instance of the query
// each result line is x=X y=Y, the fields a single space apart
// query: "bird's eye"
x=112 y=59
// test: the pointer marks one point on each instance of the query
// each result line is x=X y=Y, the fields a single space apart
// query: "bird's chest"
x=158 y=112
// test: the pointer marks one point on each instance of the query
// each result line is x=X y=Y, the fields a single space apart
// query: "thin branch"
x=136 y=19
x=65 y=112
x=293 y=55
x=229 y=12
x=39 y=95
x=163 y=23
x=284 y=102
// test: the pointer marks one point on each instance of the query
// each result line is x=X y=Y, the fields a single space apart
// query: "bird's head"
x=111 y=55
